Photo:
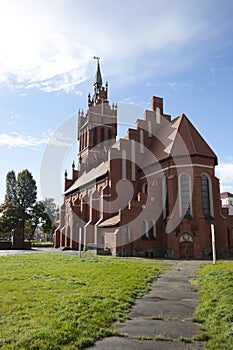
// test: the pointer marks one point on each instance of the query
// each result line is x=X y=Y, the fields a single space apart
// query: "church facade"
x=152 y=193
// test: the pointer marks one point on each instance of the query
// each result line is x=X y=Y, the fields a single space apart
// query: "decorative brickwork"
x=152 y=193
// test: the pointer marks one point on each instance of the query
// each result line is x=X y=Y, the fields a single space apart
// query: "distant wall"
x=5 y=244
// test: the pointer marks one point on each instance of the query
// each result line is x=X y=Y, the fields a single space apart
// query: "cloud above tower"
x=48 y=45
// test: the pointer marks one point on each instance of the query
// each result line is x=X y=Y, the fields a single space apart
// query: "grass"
x=55 y=301
x=215 y=310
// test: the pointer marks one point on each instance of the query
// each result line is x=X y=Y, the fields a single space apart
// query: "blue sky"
x=180 y=50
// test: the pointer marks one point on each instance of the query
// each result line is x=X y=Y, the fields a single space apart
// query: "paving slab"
x=156 y=328
x=161 y=318
x=122 y=343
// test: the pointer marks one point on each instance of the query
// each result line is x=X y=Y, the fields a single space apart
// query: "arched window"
x=144 y=230
x=94 y=137
x=144 y=187
x=185 y=196
x=206 y=195
x=101 y=135
x=128 y=233
x=152 y=230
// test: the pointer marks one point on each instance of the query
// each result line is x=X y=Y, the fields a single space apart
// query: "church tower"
x=97 y=127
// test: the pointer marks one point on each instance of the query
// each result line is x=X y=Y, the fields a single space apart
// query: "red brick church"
x=152 y=193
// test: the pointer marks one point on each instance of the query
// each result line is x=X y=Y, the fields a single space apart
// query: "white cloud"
x=49 y=44
x=224 y=171
x=59 y=139
x=15 y=139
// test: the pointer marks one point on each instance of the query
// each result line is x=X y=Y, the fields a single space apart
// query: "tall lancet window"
x=206 y=194
x=185 y=196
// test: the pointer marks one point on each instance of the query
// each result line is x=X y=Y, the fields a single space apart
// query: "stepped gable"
x=194 y=142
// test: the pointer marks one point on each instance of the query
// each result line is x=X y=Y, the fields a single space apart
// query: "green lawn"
x=215 y=310
x=53 y=301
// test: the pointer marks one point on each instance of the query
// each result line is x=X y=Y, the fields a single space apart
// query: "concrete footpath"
x=162 y=318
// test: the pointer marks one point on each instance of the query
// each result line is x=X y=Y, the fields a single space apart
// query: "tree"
x=51 y=210
x=11 y=186
x=42 y=215
x=21 y=210
x=26 y=190
x=20 y=198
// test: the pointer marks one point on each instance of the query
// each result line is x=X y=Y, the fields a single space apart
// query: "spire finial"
x=98 y=78
x=97 y=58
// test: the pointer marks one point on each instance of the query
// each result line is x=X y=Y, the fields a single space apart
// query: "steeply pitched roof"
x=193 y=140
x=178 y=138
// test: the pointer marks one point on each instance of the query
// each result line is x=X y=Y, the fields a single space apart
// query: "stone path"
x=162 y=317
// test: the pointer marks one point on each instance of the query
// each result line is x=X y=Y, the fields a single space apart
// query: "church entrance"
x=186 y=246
x=186 y=250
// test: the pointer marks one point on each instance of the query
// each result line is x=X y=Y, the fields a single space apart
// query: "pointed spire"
x=98 y=77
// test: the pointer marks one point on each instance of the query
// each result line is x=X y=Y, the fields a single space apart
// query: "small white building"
x=227 y=201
